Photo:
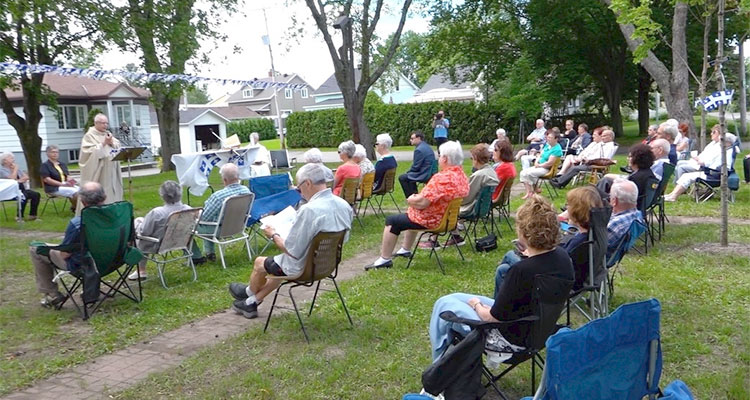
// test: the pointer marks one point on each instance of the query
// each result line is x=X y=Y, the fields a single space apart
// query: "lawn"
x=705 y=324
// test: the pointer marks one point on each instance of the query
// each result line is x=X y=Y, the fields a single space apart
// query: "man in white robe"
x=98 y=147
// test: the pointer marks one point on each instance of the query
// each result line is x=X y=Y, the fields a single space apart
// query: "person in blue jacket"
x=421 y=167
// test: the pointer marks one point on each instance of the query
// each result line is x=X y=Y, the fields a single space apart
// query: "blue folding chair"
x=274 y=195
x=616 y=357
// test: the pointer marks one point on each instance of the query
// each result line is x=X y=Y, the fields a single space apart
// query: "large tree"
x=39 y=32
x=362 y=19
x=167 y=34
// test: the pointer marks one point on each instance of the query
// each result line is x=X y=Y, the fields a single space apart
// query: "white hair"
x=359 y=151
x=313 y=172
x=384 y=139
x=500 y=131
x=4 y=156
x=625 y=191
x=452 y=151
x=347 y=148
x=730 y=138
x=230 y=173
x=255 y=137
x=669 y=128
x=313 y=155
x=673 y=122
x=663 y=144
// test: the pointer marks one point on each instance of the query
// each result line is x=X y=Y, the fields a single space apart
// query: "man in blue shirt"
x=91 y=194
x=421 y=167
x=440 y=126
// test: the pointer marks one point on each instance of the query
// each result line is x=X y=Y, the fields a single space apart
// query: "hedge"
x=470 y=123
x=243 y=128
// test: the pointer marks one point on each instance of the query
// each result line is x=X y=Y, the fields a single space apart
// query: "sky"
x=306 y=56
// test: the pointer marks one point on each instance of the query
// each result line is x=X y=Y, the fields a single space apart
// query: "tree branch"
x=14 y=119
x=391 y=50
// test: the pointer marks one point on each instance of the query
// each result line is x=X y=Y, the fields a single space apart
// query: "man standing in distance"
x=98 y=147
x=440 y=126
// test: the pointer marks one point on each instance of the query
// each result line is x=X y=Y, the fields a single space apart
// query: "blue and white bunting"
x=715 y=99
x=7 y=68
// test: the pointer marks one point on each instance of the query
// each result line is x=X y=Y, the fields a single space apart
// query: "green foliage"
x=198 y=94
x=243 y=128
x=90 y=118
x=646 y=29
x=470 y=123
x=408 y=60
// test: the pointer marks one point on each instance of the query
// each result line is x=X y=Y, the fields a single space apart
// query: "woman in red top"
x=349 y=169
x=505 y=169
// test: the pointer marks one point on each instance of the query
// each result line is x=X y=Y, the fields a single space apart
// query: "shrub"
x=243 y=128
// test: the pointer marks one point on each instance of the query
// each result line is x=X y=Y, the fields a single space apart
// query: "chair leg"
x=299 y=317
x=160 y=268
x=247 y=245
x=343 y=303
x=394 y=202
x=221 y=255
x=315 y=296
x=273 y=305
x=414 y=251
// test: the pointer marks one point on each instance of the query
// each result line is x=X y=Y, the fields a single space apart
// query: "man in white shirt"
x=688 y=178
x=604 y=149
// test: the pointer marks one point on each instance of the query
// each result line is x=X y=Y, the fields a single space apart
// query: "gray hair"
x=98 y=117
x=359 y=151
x=669 y=129
x=313 y=172
x=92 y=194
x=313 y=155
x=50 y=148
x=452 y=151
x=500 y=131
x=663 y=144
x=673 y=122
x=730 y=138
x=384 y=139
x=4 y=156
x=347 y=148
x=625 y=191
x=255 y=137
x=170 y=192
x=653 y=127
x=230 y=173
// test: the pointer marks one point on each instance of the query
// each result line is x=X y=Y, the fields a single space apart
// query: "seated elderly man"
x=56 y=179
x=155 y=223
x=668 y=131
x=687 y=179
x=623 y=197
x=230 y=176
x=9 y=170
x=660 y=148
x=590 y=152
x=426 y=209
x=421 y=167
x=91 y=194
x=323 y=212
x=386 y=160
x=604 y=149
x=360 y=157
x=315 y=156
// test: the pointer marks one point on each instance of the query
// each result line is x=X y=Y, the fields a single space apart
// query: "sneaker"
x=247 y=311
x=387 y=264
x=199 y=261
x=429 y=244
x=238 y=290
x=52 y=301
x=405 y=254
x=455 y=240
x=134 y=276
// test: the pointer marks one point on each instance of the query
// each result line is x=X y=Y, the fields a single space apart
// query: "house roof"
x=77 y=87
x=331 y=86
x=227 y=113
x=443 y=81
x=262 y=94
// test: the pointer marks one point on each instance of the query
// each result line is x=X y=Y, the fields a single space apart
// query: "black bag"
x=486 y=243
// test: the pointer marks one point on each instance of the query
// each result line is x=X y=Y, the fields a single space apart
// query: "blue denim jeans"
x=509 y=259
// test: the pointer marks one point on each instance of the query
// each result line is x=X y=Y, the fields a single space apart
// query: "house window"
x=72 y=117
x=303 y=93
x=124 y=114
x=137 y=115
x=247 y=93
x=73 y=155
x=288 y=93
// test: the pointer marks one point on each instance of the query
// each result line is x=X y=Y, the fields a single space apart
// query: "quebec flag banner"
x=713 y=101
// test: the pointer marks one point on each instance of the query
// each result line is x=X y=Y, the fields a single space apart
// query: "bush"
x=243 y=128
x=470 y=123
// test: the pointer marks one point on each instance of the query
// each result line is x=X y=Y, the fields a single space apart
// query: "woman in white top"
x=260 y=166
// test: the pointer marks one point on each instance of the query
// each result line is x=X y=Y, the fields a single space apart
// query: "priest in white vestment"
x=98 y=147
x=261 y=166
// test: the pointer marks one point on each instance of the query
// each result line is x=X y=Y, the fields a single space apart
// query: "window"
x=73 y=155
x=137 y=115
x=124 y=114
x=72 y=117
x=303 y=93
x=288 y=93
x=247 y=93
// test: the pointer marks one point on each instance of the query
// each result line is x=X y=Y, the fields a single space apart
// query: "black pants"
x=439 y=141
x=32 y=196
x=572 y=172
x=409 y=186
x=746 y=168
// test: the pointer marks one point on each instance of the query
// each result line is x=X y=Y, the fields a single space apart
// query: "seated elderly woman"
x=640 y=160
x=349 y=168
x=360 y=157
x=155 y=223
x=9 y=170
x=261 y=165
x=426 y=209
x=386 y=160
x=483 y=176
x=688 y=177
x=579 y=202
x=56 y=179
x=315 y=156
x=539 y=231
x=550 y=153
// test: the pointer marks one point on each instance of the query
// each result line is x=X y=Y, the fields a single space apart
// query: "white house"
x=440 y=88
x=328 y=95
x=76 y=96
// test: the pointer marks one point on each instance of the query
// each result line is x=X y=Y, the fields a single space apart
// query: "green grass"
x=704 y=322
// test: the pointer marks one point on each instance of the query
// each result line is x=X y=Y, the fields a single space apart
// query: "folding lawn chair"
x=349 y=193
x=548 y=298
x=378 y=194
x=52 y=198
x=546 y=178
x=655 y=211
x=230 y=226
x=447 y=225
x=365 y=192
x=322 y=262
x=482 y=211
x=280 y=159
x=107 y=247
x=705 y=189
x=617 y=357
x=176 y=243
x=272 y=194
x=652 y=186
x=501 y=204
x=627 y=242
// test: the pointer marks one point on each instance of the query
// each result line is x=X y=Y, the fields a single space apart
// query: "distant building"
x=76 y=96
x=263 y=101
x=440 y=88
x=329 y=95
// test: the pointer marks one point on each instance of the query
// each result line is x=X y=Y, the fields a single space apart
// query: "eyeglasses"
x=377 y=144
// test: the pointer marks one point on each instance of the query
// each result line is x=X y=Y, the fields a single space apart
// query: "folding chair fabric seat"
x=544 y=179
x=276 y=196
x=447 y=225
x=482 y=211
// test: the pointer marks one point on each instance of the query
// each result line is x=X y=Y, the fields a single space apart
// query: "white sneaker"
x=134 y=276
x=438 y=397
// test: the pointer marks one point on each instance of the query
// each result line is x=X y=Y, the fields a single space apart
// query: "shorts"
x=272 y=268
x=400 y=223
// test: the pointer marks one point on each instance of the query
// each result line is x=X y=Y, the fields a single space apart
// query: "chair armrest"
x=147 y=238
x=207 y=223
x=450 y=316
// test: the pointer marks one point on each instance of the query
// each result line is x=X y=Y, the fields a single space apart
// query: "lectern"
x=129 y=154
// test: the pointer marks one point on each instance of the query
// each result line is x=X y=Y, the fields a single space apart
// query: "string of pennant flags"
x=712 y=101
x=7 y=68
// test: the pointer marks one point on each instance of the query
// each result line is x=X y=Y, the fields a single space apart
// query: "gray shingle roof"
x=443 y=81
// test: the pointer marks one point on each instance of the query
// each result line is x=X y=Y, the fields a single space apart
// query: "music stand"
x=129 y=154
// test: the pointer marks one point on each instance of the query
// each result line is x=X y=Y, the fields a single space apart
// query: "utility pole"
x=722 y=86
x=743 y=85
x=267 y=41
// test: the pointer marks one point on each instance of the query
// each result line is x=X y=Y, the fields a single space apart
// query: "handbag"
x=600 y=162
x=486 y=243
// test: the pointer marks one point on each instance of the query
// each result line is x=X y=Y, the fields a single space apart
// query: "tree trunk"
x=27 y=129
x=614 y=99
x=644 y=90
x=704 y=78
x=724 y=233
x=743 y=88
x=168 y=115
